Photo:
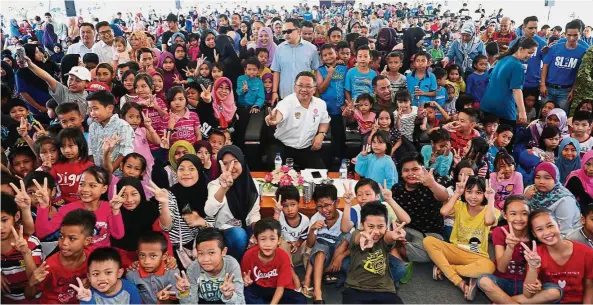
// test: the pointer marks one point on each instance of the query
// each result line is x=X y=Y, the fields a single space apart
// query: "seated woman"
x=580 y=182
x=548 y=193
x=233 y=200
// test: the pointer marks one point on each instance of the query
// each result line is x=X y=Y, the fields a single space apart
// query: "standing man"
x=173 y=23
x=302 y=121
x=532 y=74
x=293 y=56
x=87 y=40
x=307 y=31
x=504 y=36
x=236 y=22
x=104 y=47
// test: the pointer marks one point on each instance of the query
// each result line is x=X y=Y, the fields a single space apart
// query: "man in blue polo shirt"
x=561 y=64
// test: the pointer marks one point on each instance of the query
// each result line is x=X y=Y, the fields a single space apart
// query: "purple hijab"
x=168 y=76
x=49 y=37
x=271 y=45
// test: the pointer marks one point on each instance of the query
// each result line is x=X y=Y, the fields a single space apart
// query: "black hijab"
x=193 y=196
x=137 y=221
x=180 y=64
x=390 y=37
x=228 y=57
x=205 y=50
x=27 y=75
x=241 y=34
x=410 y=39
x=243 y=193
x=8 y=79
x=68 y=62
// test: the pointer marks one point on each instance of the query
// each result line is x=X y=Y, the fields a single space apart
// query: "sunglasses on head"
x=289 y=31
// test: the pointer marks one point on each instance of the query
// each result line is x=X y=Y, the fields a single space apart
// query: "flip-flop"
x=330 y=279
x=307 y=292
x=471 y=290
x=437 y=274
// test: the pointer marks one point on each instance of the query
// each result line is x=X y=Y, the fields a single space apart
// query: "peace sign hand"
x=456 y=156
x=39 y=130
x=23 y=129
x=366 y=149
x=511 y=240
x=117 y=200
x=460 y=186
x=110 y=143
x=366 y=240
x=22 y=199
x=187 y=72
x=20 y=243
x=228 y=288
x=206 y=94
x=427 y=177
x=165 y=294
x=82 y=293
x=216 y=56
x=165 y=140
x=176 y=79
x=277 y=204
x=490 y=193
x=531 y=255
x=147 y=121
x=42 y=193
x=226 y=178
x=272 y=119
x=173 y=119
x=39 y=274
x=247 y=278
x=348 y=193
x=161 y=195
x=200 y=61
x=376 y=125
x=46 y=160
x=385 y=191
x=398 y=233
x=182 y=283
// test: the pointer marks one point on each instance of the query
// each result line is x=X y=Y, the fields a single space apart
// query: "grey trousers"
x=414 y=248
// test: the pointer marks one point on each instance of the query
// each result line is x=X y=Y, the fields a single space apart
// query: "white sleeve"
x=213 y=206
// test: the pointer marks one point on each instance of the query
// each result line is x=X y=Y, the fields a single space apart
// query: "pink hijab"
x=580 y=173
x=168 y=76
x=271 y=45
x=224 y=110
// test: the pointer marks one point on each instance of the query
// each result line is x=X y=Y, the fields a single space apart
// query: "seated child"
x=581 y=130
x=267 y=273
x=21 y=161
x=454 y=78
x=580 y=182
x=405 y=116
x=505 y=179
x=438 y=154
x=584 y=235
x=530 y=99
x=465 y=132
x=295 y=225
x=489 y=125
x=363 y=115
x=502 y=138
x=375 y=163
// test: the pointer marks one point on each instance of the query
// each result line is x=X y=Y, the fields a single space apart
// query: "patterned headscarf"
x=543 y=200
x=224 y=110
x=271 y=45
x=580 y=173
x=178 y=143
x=561 y=115
x=142 y=39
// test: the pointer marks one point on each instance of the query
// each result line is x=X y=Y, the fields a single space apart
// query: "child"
x=504 y=179
x=132 y=165
x=107 y=125
x=568 y=159
x=144 y=132
x=377 y=166
x=394 y=63
x=375 y=61
x=441 y=98
x=473 y=207
x=21 y=161
x=454 y=78
x=422 y=84
x=54 y=275
x=320 y=36
x=58 y=53
x=536 y=126
x=120 y=51
x=217 y=70
x=556 y=260
x=358 y=79
x=344 y=54
x=580 y=182
x=153 y=108
x=530 y=99
x=295 y=225
x=450 y=104
x=462 y=169
x=217 y=140
x=177 y=150
x=268 y=79
x=55 y=198
x=90 y=61
x=72 y=162
x=465 y=132
x=372 y=243
x=250 y=91
x=204 y=77
x=438 y=154
x=584 y=235
x=107 y=286
x=170 y=72
x=363 y=115
x=581 y=130
x=204 y=153
x=549 y=142
x=267 y=274
x=93 y=184
x=152 y=276
x=21 y=254
x=46 y=148
x=478 y=80
x=51 y=106
x=263 y=55
x=405 y=115
x=183 y=123
x=386 y=122
x=500 y=139
x=194 y=46
x=477 y=151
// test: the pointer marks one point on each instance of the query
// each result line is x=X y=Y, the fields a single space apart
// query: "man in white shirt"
x=302 y=121
x=87 y=40
x=104 y=47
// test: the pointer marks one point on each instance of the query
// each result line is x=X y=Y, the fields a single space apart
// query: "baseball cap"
x=97 y=86
x=81 y=72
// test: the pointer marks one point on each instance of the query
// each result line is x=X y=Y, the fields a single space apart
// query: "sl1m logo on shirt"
x=566 y=62
x=260 y=275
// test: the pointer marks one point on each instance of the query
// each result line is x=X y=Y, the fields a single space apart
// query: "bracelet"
x=183 y=295
x=171 y=130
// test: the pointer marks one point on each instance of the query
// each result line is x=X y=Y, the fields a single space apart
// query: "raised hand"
x=173 y=119
x=147 y=121
x=490 y=193
x=530 y=192
x=165 y=294
x=39 y=130
x=194 y=220
x=531 y=255
x=39 y=274
x=42 y=193
x=117 y=200
x=182 y=283
x=460 y=186
x=228 y=288
x=385 y=191
x=22 y=199
x=245 y=88
x=20 y=243
x=376 y=125
x=200 y=61
x=398 y=232
x=384 y=71
x=511 y=240
x=247 y=278
x=456 y=155
x=176 y=79
x=165 y=140
x=206 y=94
x=366 y=149
x=348 y=193
x=216 y=56
x=46 y=160
x=82 y=293
x=273 y=119
x=277 y=204
x=110 y=143
x=226 y=178
x=23 y=129
x=427 y=177
x=366 y=240
x=161 y=195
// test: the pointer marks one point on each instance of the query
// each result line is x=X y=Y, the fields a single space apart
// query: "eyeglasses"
x=325 y=206
x=305 y=87
x=288 y=31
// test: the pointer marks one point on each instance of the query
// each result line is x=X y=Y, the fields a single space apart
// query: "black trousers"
x=303 y=158
x=255 y=294
x=354 y=296
x=241 y=126
x=338 y=133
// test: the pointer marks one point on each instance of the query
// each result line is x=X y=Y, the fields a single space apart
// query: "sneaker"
x=408 y=275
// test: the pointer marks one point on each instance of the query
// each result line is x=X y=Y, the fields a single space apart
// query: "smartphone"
x=20 y=57
x=186 y=210
x=316 y=175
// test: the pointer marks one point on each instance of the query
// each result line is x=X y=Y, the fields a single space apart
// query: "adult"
x=465 y=49
x=31 y=87
x=580 y=182
x=207 y=46
x=588 y=35
x=412 y=43
x=307 y=31
x=138 y=40
x=49 y=38
x=504 y=95
x=488 y=34
x=236 y=22
x=229 y=58
x=302 y=121
x=504 y=36
x=292 y=57
x=561 y=63
x=233 y=200
x=375 y=24
x=548 y=193
x=265 y=40
x=583 y=84
x=104 y=47
x=87 y=40
x=384 y=97
x=173 y=24
x=422 y=197
x=14 y=29
x=386 y=40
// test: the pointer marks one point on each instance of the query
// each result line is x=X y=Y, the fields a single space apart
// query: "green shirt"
x=369 y=269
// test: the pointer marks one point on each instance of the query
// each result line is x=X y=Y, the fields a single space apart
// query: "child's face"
x=19 y=112
x=187 y=174
x=546 y=229
x=546 y=109
x=345 y=54
x=69 y=149
x=143 y=89
x=440 y=147
x=210 y=256
x=251 y=71
x=384 y=120
x=587 y=107
x=517 y=214
x=22 y=165
x=436 y=43
x=216 y=73
x=168 y=64
x=581 y=128
x=505 y=169
x=99 y=112
x=290 y=208
x=376 y=226
x=454 y=75
x=420 y=62
x=150 y=256
x=326 y=207
x=504 y=138
x=466 y=123
x=133 y=117
x=131 y=197
x=442 y=82
x=49 y=151
x=553 y=121
x=543 y=181
x=268 y=241
x=466 y=171
x=120 y=47
x=104 y=276
x=366 y=194
x=90 y=65
x=569 y=152
x=529 y=101
x=204 y=70
x=364 y=106
x=132 y=168
x=378 y=146
x=481 y=65
x=363 y=58
x=552 y=143
x=450 y=91
x=203 y=154
x=8 y=222
x=268 y=84
x=90 y=189
x=104 y=75
x=129 y=82
x=179 y=152
x=157 y=81
x=430 y=113
x=178 y=103
x=588 y=223
x=72 y=240
x=328 y=56
x=404 y=106
x=57 y=49
x=217 y=143
x=335 y=37
x=491 y=128
x=263 y=57
x=474 y=196
x=394 y=63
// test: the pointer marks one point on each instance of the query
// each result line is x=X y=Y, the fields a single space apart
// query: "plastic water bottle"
x=344 y=169
x=278 y=161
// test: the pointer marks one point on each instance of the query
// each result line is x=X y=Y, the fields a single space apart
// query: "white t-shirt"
x=331 y=235
x=292 y=234
x=299 y=125
x=586 y=146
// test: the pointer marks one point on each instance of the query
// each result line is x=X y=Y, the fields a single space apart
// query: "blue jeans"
x=236 y=239
x=513 y=288
x=560 y=96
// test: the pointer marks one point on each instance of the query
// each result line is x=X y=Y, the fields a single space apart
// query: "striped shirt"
x=13 y=272
x=179 y=232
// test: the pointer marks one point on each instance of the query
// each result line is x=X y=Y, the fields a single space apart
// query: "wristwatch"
x=323 y=133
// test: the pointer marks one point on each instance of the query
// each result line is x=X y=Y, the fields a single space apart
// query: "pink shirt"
x=193 y=53
x=185 y=128
x=158 y=122
x=141 y=146
x=107 y=225
x=364 y=125
x=505 y=188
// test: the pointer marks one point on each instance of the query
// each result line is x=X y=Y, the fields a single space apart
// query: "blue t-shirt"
x=563 y=64
x=441 y=98
x=508 y=74
x=40 y=96
x=581 y=42
x=334 y=94
x=127 y=295
x=427 y=84
x=534 y=64
x=308 y=16
x=476 y=85
x=358 y=83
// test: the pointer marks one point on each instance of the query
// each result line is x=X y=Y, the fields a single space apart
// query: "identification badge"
x=297 y=115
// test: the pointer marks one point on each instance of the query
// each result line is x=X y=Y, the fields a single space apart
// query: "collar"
x=186 y=114
x=160 y=271
x=111 y=119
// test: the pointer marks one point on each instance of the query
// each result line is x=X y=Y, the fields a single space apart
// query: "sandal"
x=307 y=292
x=330 y=279
x=471 y=290
x=437 y=274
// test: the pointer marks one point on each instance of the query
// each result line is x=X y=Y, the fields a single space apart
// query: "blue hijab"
x=14 y=28
x=565 y=167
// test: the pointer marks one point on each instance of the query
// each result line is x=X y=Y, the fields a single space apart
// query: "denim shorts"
x=328 y=248
x=515 y=287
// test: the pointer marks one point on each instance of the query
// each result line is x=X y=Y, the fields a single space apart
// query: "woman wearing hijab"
x=223 y=102
x=465 y=49
x=14 y=29
x=207 y=45
x=138 y=40
x=386 y=40
x=278 y=36
x=569 y=147
x=7 y=75
x=245 y=29
x=580 y=181
x=30 y=86
x=412 y=43
x=265 y=40
x=233 y=200
x=181 y=60
x=228 y=57
x=550 y=194
x=49 y=38
x=168 y=75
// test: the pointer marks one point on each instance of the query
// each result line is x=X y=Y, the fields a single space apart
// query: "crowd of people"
x=126 y=174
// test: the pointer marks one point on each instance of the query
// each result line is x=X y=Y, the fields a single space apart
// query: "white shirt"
x=104 y=51
x=331 y=235
x=79 y=48
x=299 y=125
x=292 y=234
x=224 y=218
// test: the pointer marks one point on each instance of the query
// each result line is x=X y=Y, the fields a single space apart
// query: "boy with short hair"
x=359 y=79
x=17 y=109
x=295 y=225
x=215 y=277
x=344 y=53
x=267 y=273
x=69 y=116
x=422 y=84
x=436 y=53
x=372 y=283
x=250 y=90
x=107 y=286
x=21 y=254
x=375 y=61
x=584 y=235
x=151 y=275
x=581 y=130
x=394 y=63
x=466 y=130
x=502 y=138
x=107 y=125
x=217 y=140
x=437 y=155
x=68 y=265
x=22 y=161
x=441 y=92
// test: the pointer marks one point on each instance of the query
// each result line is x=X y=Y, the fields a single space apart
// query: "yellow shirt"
x=264 y=71
x=469 y=232
x=459 y=86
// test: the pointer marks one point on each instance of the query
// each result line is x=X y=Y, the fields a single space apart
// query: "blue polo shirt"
x=534 y=64
x=563 y=64
x=427 y=84
x=290 y=61
x=441 y=98
x=508 y=74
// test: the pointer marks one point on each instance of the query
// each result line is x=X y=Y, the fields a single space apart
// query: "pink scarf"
x=224 y=110
x=580 y=173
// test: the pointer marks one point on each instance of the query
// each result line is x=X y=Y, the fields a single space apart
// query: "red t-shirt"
x=277 y=273
x=13 y=271
x=572 y=275
x=458 y=141
x=55 y=288
x=517 y=266
x=67 y=176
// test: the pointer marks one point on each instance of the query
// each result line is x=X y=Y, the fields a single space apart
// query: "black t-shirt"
x=167 y=35
x=399 y=34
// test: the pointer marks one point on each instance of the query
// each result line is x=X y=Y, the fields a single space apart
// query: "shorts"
x=515 y=287
x=328 y=248
x=298 y=258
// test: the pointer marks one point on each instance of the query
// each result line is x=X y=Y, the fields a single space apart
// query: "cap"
x=97 y=86
x=81 y=72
